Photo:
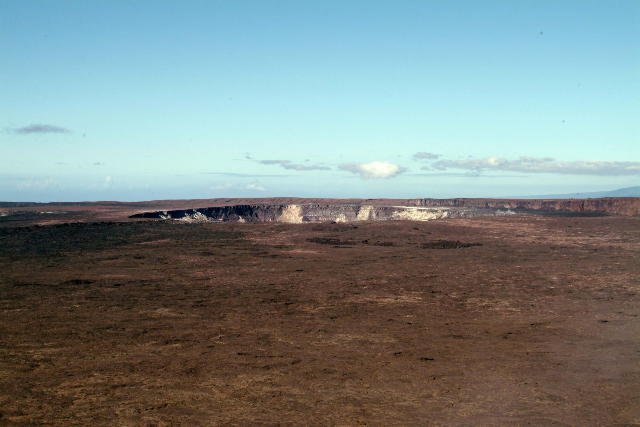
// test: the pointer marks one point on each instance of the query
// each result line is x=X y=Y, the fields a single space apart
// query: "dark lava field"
x=513 y=320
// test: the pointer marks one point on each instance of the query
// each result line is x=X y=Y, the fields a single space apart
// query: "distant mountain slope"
x=625 y=192
x=620 y=192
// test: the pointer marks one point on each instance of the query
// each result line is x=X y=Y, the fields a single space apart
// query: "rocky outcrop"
x=300 y=213
x=624 y=206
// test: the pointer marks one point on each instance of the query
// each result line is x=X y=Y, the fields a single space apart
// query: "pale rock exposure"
x=418 y=214
x=366 y=213
x=291 y=214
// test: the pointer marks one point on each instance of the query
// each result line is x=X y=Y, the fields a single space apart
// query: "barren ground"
x=369 y=323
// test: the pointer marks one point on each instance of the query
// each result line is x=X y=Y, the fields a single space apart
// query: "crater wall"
x=292 y=210
x=300 y=213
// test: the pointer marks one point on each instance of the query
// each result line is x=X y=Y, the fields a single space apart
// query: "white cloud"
x=288 y=164
x=37 y=184
x=223 y=186
x=108 y=181
x=373 y=170
x=540 y=165
x=253 y=186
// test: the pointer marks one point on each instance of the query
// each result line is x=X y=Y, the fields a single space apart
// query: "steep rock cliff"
x=299 y=213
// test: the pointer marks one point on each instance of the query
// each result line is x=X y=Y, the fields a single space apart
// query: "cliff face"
x=624 y=206
x=299 y=213
x=412 y=209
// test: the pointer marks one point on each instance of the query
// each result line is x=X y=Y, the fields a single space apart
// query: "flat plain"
x=521 y=319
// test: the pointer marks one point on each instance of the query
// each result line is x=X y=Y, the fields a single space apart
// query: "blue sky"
x=125 y=100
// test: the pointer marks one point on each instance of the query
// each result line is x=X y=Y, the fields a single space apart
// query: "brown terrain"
x=513 y=320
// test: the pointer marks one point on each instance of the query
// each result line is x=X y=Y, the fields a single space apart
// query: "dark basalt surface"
x=164 y=323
